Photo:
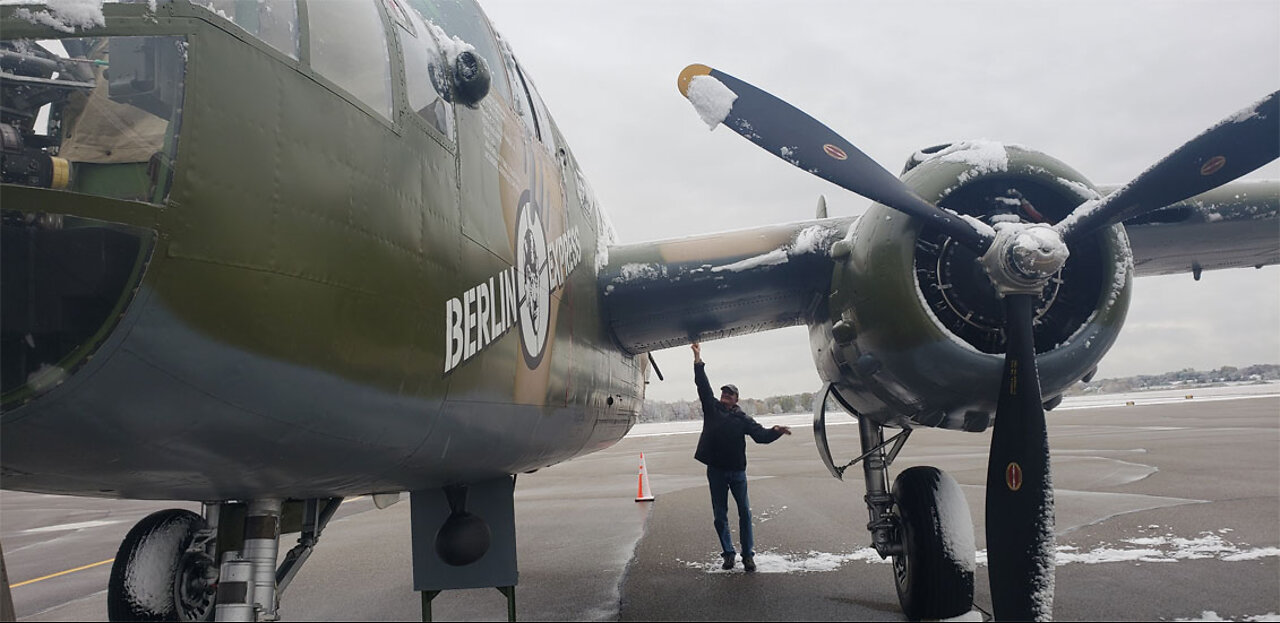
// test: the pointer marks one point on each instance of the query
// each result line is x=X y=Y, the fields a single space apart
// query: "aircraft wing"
x=1232 y=226
x=671 y=292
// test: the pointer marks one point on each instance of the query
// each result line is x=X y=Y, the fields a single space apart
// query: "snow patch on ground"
x=774 y=562
x=1165 y=548
x=1210 y=615
x=1253 y=554
x=771 y=512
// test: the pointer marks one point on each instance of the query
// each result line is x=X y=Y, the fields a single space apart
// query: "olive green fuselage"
x=332 y=303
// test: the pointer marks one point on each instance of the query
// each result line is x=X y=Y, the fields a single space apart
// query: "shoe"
x=728 y=561
x=748 y=564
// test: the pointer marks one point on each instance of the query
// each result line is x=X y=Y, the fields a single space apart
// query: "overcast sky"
x=1108 y=87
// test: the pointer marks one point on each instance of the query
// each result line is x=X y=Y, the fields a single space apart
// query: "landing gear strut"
x=247 y=590
x=168 y=567
x=923 y=523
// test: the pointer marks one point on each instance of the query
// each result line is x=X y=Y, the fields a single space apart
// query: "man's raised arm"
x=705 y=395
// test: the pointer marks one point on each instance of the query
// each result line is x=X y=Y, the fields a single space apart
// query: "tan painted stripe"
x=54 y=575
x=688 y=74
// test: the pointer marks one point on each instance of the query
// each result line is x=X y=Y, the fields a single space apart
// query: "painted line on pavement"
x=61 y=573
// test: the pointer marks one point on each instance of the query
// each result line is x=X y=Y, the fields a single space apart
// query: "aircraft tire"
x=932 y=583
x=148 y=575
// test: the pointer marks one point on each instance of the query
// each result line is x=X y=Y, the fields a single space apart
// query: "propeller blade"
x=1020 y=545
x=788 y=133
x=1235 y=146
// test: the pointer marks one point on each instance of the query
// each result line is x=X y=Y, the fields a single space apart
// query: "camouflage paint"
x=291 y=331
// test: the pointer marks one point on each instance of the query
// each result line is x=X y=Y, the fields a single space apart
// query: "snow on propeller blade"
x=1019 y=515
x=1237 y=145
x=1019 y=511
x=1018 y=258
x=788 y=133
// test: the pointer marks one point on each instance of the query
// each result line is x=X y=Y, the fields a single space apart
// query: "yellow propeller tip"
x=689 y=74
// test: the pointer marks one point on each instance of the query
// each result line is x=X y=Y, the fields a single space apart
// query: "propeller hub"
x=1023 y=257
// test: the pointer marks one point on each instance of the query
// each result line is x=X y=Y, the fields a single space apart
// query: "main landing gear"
x=168 y=569
x=176 y=565
x=164 y=570
x=923 y=522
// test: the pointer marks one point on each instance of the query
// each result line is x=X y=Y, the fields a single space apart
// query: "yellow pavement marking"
x=54 y=575
x=111 y=560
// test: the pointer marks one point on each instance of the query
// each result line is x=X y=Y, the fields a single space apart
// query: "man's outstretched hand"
x=785 y=430
x=697 y=352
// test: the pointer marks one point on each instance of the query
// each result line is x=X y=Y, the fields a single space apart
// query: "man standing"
x=723 y=448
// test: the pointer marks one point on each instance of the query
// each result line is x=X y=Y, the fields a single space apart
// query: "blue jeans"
x=723 y=481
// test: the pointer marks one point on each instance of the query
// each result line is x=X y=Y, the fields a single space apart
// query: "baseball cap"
x=732 y=389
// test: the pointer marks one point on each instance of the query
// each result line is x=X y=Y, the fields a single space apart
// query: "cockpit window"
x=348 y=45
x=97 y=116
x=464 y=20
x=522 y=103
x=545 y=133
x=273 y=21
x=422 y=58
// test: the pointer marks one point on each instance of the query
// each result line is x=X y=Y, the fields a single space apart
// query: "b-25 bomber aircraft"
x=266 y=256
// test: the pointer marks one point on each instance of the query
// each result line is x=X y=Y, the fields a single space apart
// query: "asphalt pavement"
x=1166 y=511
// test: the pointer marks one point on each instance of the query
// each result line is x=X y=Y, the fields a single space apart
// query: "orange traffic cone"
x=643 y=492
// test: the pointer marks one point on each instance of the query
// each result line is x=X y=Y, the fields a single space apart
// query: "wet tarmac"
x=1167 y=509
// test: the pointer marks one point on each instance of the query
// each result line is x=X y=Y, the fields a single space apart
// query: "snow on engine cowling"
x=914 y=334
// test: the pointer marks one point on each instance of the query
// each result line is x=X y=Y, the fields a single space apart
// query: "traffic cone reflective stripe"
x=643 y=492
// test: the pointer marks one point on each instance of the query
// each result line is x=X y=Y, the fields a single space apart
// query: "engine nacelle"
x=914 y=332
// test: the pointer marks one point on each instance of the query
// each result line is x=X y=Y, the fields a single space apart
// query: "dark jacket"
x=723 y=443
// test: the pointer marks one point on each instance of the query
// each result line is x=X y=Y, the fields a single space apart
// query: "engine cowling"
x=914 y=336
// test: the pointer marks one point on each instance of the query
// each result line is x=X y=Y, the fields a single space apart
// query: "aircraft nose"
x=66 y=281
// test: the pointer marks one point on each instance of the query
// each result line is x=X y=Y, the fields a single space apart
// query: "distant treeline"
x=1185 y=377
x=655 y=411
